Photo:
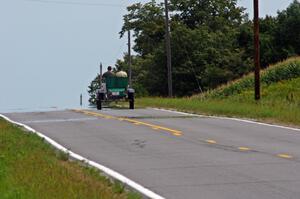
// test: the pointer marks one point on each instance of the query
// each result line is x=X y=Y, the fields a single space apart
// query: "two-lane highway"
x=178 y=155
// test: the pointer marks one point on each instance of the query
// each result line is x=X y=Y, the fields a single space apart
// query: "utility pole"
x=129 y=59
x=81 y=100
x=168 y=50
x=257 y=50
x=100 y=76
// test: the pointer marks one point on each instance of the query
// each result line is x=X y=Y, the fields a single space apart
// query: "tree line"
x=211 y=41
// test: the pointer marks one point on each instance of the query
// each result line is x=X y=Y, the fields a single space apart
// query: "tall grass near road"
x=285 y=70
x=280 y=101
x=31 y=169
x=268 y=110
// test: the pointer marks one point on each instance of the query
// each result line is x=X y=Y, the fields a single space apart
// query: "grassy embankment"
x=280 y=101
x=32 y=169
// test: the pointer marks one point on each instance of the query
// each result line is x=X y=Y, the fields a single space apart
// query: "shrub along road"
x=178 y=155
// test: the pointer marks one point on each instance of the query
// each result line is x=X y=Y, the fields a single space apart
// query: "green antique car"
x=115 y=89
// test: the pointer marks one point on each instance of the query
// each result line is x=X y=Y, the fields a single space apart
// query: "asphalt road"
x=179 y=156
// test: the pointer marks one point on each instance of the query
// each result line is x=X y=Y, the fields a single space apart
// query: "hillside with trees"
x=212 y=44
x=280 y=102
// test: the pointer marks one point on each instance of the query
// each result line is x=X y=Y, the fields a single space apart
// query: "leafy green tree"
x=214 y=14
x=212 y=43
x=92 y=90
x=147 y=22
x=269 y=47
x=288 y=34
x=204 y=40
x=205 y=58
x=280 y=35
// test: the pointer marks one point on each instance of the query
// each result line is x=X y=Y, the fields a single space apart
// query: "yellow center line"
x=177 y=134
x=157 y=127
x=136 y=122
x=244 y=149
x=154 y=126
x=211 y=141
x=286 y=156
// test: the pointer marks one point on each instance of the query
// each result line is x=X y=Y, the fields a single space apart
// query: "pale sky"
x=49 y=53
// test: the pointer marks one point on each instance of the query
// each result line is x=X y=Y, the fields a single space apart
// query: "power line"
x=77 y=3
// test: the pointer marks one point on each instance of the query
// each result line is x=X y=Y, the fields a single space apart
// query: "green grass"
x=32 y=169
x=281 y=71
x=280 y=101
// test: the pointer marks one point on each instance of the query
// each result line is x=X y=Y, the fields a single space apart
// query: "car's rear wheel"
x=99 y=104
x=131 y=104
x=131 y=100
x=100 y=97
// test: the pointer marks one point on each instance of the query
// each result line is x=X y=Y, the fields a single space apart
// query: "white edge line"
x=110 y=172
x=228 y=118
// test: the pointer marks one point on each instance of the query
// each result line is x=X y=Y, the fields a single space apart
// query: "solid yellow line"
x=286 y=156
x=136 y=122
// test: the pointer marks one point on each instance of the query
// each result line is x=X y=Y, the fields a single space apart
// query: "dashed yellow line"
x=211 y=141
x=286 y=156
x=177 y=134
x=157 y=127
x=135 y=122
x=244 y=149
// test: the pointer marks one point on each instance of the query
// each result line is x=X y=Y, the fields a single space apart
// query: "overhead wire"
x=77 y=3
